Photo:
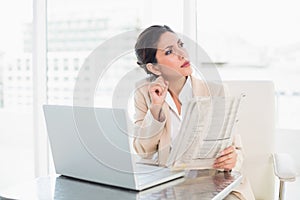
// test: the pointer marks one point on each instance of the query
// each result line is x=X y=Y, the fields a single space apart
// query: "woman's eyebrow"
x=168 y=47
x=171 y=46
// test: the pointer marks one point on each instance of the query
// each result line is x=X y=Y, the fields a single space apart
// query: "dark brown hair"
x=146 y=45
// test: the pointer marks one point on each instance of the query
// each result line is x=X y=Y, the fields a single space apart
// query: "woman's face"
x=172 y=57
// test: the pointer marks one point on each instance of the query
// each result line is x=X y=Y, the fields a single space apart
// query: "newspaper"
x=207 y=129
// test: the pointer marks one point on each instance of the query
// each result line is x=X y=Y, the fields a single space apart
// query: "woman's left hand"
x=227 y=159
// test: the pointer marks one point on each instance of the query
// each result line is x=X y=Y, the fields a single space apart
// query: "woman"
x=159 y=100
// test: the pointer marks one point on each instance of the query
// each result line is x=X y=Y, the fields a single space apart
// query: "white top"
x=185 y=95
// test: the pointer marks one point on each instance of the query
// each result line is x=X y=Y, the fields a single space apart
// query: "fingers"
x=227 y=160
x=165 y=88
x=160 y=82
x=228 y=150
x=158 y=90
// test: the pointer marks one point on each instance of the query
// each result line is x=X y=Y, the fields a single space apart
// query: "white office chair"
x=256 y=126
x=287 y=141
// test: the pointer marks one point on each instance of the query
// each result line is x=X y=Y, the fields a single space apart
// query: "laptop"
x=93 y=144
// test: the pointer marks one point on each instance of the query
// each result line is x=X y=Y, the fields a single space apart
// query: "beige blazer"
x=152 y=136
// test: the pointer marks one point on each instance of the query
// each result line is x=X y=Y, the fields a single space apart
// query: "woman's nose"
x=181 y=54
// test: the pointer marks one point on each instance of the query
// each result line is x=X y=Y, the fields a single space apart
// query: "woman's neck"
x=176 y=85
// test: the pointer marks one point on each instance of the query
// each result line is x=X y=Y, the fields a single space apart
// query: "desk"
x=195 y=185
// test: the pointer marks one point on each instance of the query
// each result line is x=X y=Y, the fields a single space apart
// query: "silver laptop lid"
x=86 y=141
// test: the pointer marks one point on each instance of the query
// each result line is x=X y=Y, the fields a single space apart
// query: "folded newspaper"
x=207 y=129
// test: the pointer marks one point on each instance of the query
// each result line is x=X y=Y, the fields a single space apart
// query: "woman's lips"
x=186 y=64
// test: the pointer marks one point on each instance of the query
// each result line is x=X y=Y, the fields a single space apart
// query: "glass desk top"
x=198 y=184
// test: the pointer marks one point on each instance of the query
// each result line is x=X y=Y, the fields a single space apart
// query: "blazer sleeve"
x=147 y=130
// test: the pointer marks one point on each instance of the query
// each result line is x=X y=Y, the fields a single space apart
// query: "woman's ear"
x=153 y=68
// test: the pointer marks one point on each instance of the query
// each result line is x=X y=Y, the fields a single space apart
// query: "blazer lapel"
x=199 y=87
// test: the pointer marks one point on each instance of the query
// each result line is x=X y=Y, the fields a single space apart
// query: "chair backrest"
x=257 y=129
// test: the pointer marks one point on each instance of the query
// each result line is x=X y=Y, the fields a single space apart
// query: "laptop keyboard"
x=148 y=173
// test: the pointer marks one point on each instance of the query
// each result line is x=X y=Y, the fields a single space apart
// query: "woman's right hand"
x=158 y=91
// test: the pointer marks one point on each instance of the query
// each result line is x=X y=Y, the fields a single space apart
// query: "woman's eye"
x=169 y=52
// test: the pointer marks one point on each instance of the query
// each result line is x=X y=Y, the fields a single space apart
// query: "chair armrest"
x=284 y=167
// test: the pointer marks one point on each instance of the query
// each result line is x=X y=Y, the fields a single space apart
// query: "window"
x=16 y=137
x=256 y=40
